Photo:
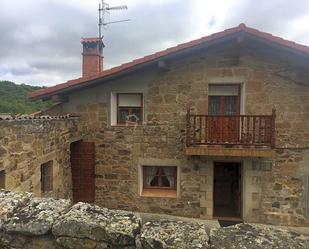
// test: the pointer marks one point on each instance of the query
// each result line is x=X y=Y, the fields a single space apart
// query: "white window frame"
x=232 y=80
x=114 y=107
x=157 y=162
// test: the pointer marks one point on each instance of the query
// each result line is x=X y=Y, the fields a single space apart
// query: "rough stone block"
x=206 y=203
x=172 y=234
x=9 y=201
x=209 y=211
x=256 y=237
x=36 y=217
x=86 y=221
x=205 y=187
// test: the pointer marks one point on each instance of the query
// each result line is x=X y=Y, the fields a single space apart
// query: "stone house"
x=215 y=128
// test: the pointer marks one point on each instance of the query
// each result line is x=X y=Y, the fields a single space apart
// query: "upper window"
x=224 y=100
x=47 y=177
x=2 y=179
x=129 y=108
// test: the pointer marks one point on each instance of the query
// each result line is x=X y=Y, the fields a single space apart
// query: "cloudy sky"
x=40 y=39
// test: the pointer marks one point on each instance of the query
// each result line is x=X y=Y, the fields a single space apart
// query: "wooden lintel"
x=240 y=39
x=59 y=98
x=237 y=152
x=163 y=66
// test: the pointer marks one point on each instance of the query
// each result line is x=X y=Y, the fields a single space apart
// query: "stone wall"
x=26 y=144
x=273 y=195
x=28 y=222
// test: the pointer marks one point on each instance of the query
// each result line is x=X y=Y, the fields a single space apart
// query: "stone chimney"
x=92 y=56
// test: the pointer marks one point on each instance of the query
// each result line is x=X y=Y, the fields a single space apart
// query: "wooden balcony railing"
x=245 y=130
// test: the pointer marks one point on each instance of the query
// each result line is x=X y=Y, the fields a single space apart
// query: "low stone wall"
x=26 y=144
x=29 y=222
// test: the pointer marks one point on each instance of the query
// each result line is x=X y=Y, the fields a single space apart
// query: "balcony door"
x=223 y=108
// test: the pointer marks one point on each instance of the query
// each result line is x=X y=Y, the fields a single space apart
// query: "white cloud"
x=40 y=40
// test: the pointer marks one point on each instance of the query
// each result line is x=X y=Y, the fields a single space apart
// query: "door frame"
x=241 y=181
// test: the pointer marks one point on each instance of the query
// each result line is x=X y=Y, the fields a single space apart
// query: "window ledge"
x=164 y=193
x=124 y=125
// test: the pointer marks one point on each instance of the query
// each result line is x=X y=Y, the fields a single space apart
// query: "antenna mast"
x=104 y=9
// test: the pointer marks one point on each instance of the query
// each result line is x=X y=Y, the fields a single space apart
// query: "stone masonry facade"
x=272 y=194
x=273 y=189
x=27 y=144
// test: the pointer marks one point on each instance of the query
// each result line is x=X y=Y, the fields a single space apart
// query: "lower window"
x=159 y=181
x=2 y=179
x=47 y=177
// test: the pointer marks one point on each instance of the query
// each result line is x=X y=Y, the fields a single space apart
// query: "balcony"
x=235 y=135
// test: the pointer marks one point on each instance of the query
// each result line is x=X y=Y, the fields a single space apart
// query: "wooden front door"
x=227 y=189
x=82 y=167
x=223 y=123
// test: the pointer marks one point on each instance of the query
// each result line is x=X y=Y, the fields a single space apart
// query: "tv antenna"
x=104 y=9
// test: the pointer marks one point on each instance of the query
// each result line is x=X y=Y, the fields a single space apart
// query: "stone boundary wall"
x=30 y=222
x=26 y=144
x=19 y=117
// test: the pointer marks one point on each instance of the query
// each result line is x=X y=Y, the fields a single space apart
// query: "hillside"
x=13 y=99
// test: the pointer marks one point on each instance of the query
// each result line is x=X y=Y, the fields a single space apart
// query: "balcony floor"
x=224 y=150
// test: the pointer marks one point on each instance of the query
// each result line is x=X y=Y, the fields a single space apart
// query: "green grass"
x=13 y=99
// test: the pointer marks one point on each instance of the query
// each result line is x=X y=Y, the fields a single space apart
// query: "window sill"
x=165 y=193
x=126 y=125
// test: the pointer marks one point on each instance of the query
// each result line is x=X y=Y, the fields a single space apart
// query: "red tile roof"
x=46 y=92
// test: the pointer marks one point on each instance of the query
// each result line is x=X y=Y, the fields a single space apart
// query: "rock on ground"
x=27 y=222
x=87 y=221
x=9 y=201
x=248 y=236
x=169 y=234
x=14 y=241
x=73 y=243
x=36 y=217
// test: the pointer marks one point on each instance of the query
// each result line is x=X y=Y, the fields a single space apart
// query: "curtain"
x=151 y=173
x=230 y=105
x=169 y=173
x=214 y=105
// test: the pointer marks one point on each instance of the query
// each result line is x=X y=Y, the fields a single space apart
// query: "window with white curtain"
x=224 y=99
x=129 y=108
x=159 y=177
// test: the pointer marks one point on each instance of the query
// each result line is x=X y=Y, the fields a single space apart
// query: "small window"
x=2 y=179
x=129 y=108
x=47 y=177
x=159 y=177
x=307 y=195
